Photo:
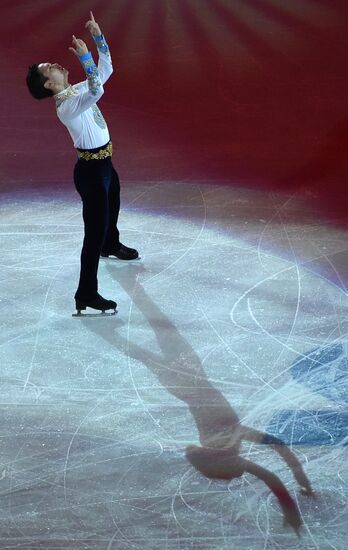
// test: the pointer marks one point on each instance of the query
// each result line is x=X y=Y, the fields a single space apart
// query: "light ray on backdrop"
x=310 y=12
x=120 y=17
x=136 y=30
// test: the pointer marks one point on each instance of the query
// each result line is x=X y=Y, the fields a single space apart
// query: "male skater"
x=94 y=175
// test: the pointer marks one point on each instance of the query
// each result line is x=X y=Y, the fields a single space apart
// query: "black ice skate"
x=122 y=253
x=98 y=303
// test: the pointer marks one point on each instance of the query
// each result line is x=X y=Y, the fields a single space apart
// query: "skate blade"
x=114 y=258
x=100 y=314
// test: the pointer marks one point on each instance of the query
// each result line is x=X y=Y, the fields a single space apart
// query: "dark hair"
x=36 y=81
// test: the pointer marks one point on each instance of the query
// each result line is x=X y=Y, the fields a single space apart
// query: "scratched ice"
x=236 y=310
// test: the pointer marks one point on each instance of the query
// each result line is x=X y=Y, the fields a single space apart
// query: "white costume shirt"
x=77 y=105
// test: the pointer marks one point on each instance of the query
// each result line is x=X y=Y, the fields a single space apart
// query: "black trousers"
x=98 y=184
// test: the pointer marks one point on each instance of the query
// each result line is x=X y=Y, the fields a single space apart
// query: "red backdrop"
x=245 y=92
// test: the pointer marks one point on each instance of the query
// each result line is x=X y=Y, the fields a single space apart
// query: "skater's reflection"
x=179 y=370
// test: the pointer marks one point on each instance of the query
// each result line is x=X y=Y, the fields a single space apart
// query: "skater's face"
x=57 y=76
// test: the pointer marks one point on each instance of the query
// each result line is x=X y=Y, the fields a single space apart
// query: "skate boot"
x=98 y=303
x=122 y=253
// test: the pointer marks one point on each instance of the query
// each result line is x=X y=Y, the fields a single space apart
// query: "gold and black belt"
x=96 y=154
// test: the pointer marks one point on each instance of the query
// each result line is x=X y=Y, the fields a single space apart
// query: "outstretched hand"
x=79 y=47
x=93 y=26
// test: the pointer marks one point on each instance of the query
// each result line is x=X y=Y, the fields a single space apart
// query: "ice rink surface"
x=237 y=309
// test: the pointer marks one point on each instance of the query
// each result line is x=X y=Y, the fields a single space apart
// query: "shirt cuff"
x=101 y=43
x=85 y=57
x=88 y=64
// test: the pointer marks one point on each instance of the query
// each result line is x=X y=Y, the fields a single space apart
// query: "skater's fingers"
x=78 y=43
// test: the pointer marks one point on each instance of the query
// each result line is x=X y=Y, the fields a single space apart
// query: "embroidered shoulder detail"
x=65 y=94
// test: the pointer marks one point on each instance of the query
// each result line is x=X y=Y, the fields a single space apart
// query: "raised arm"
x=104 y=62
x=93 y=78
x=91 y=92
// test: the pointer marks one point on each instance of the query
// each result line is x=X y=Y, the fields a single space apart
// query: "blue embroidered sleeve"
x=104 y=62
x=101 y=44
x=91 y=70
